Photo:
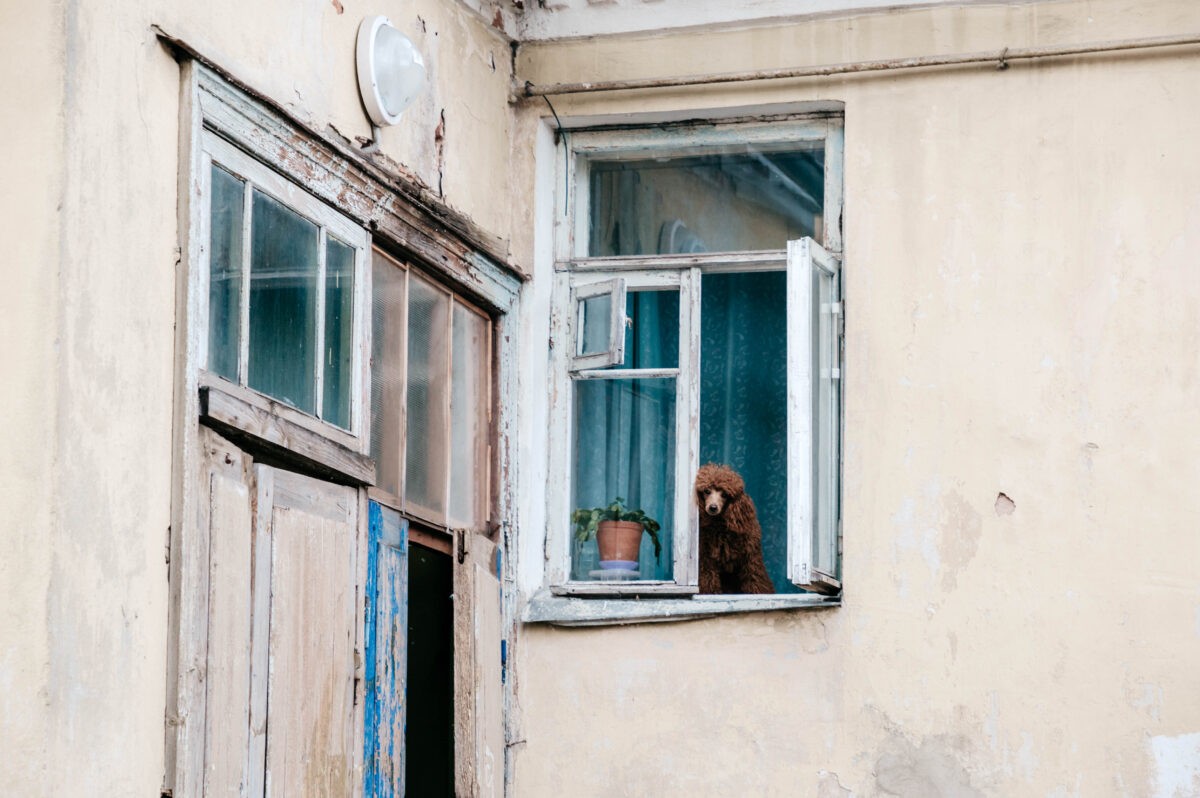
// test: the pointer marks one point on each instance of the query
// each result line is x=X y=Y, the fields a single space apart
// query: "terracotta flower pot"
x=619 y=540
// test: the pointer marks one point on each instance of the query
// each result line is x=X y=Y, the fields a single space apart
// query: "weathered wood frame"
x=572 y=263
x=687 y=402
x=257 y=177
x=405 y=220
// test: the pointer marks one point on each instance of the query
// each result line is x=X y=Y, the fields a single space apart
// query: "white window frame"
x=614 y=352
x=258 y=176
x=810 y=534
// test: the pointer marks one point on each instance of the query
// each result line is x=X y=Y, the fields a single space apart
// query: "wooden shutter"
x=226 y=520
x=479 y=671
x=304 y=635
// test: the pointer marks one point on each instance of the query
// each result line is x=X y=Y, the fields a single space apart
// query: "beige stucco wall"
x=1023 y=316
x=88 y=203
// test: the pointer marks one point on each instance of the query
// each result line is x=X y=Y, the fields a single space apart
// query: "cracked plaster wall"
x=1022 y=394
x=87 y=350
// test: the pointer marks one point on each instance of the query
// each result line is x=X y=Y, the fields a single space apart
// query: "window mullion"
x=319 y=377
x=402 y=458
x=243 y=369
x=447 y=438
x=687 y=436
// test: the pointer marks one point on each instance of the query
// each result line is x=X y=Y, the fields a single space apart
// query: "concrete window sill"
x=566 y=611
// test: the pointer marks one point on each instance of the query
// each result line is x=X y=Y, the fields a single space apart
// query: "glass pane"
x=225 y=272
x=595 y=322
x=625 y=448
x=283 y=303
x=735 y=198
x=338 y=358
x=743 y=396
x=387 y=371
x=826 y=391
x=651 y=330
x=428 y=396
x=468 y=424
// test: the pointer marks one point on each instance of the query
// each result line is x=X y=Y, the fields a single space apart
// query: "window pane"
x=283 y=303
x=468 y=425
x=387 y=371
x=596 y=324
x=743 y=396
x=625 y=447
x=735 y=198
x=826 y=398
x=652 y=330
x=225 y=273
x=339 y=333
x=428 y=399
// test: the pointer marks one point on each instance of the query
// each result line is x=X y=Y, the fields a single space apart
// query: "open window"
x=725 y=241
x=599 y=316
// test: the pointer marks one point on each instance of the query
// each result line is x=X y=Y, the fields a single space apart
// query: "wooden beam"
x=274 y=440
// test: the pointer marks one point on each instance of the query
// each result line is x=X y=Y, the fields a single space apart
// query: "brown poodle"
x=731 y=558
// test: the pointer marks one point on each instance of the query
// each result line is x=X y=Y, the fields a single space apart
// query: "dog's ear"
x=739 y=515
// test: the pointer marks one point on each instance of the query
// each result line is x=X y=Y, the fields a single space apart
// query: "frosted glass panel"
x=596 y=324
x=428 y=396
x=338 y=357
x=225 y=273
x=387 y=371
x=625 y=447
x=283 y=303
x=468 y=423
x=733 y=198
x=743 y=396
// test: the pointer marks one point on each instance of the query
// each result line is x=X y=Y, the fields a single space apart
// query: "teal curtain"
x=743 y=396
x=625 y=433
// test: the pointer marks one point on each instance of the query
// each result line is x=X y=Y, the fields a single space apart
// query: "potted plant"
x=618 y=532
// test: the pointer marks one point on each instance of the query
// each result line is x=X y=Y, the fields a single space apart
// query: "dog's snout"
x=712 y=508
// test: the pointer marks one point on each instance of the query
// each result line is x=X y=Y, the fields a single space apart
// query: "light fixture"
x=391 y=71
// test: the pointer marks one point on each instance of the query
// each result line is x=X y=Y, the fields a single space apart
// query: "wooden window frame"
x=574 y=267
x=257 y=176
x=442 y=525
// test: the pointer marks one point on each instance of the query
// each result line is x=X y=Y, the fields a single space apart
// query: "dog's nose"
x=712 y=509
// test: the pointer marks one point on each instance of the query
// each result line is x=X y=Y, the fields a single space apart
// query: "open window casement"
x=599 y=324
x=814 y=415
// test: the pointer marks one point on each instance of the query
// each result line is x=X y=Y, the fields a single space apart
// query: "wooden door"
x=386 y=636
x=479 y=669
x=302 y=696
x=225 y=523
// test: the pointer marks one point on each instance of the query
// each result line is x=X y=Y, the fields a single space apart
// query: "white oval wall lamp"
x=391 y=71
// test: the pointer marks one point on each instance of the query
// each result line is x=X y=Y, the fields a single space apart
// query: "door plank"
x=310 y=745
x=227 y=678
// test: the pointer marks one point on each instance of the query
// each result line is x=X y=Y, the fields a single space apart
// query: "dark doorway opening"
x=429 y=728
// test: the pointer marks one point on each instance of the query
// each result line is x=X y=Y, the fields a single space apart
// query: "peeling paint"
x=1176 y=766
x=932 y=768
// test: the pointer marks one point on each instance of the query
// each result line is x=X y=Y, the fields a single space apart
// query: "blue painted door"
x=386 y=635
